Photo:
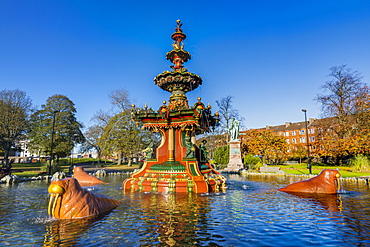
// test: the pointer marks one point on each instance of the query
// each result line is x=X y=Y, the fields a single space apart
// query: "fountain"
x=177 y=165
x=68 y=200
x=325 y=183
x=84 y=178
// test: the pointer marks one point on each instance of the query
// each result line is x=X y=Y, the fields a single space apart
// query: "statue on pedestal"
x=234 y=129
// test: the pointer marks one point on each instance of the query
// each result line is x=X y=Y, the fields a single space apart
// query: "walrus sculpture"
x=326 y=182
x=68 y=200
x=84 y=178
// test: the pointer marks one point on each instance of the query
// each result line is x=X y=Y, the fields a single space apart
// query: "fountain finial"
x=179 y=80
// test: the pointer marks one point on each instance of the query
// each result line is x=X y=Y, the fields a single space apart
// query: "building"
x=296 y=136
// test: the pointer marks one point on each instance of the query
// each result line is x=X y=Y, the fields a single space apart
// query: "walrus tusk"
x=51 y=210
x=49 y=206
x=55 y=191
x=337 y=181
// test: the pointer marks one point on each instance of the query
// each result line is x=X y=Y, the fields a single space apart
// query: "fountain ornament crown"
x=179 y=79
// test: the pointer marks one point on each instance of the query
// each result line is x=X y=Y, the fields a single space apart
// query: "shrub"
x=252 y=162
x=360 y=163
x=221 y=155
x=55 y=168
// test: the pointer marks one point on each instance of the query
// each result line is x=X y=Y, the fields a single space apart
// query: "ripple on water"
x=250 y=213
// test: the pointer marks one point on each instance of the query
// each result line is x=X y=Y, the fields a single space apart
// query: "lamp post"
x=74 y=138
x=308 y=142
x=52 y=144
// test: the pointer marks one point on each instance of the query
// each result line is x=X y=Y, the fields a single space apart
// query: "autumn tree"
x=345 y=104
x=15 y=107
x=55 y=129
x=299 y=152
x=266 y=144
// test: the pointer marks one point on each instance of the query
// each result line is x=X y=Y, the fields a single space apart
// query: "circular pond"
x=251 y=213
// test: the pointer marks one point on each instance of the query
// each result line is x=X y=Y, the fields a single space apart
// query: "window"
x=286 y=133
x=302 y=132
x=312 y=139
x=287 y=141
x=302 y=140
x=293 y=133
x=311 y=131
x=294 y=141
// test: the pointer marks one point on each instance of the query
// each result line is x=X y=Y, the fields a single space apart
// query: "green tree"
x=54 y=128
x=221 y=155
x=15 y=107
x=252 y=161
x=124 y=137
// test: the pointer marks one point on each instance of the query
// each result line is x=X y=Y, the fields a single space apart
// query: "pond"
x=251 y=213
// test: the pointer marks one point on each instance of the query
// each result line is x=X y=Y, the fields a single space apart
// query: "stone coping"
x=364 y=180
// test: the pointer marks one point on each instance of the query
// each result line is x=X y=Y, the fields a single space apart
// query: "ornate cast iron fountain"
x=177 y=165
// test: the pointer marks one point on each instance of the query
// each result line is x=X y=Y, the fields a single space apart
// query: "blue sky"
x=271 y=56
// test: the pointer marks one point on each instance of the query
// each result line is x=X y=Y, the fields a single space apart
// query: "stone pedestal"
x=235 y=157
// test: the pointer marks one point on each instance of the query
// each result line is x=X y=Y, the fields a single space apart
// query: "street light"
x=308 y=142
x=74 y=138
x=52 y=144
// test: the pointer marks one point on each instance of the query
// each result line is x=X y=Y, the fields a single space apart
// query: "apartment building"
x=295 y=134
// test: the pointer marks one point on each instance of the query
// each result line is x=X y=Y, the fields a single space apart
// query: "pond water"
x=251 y=213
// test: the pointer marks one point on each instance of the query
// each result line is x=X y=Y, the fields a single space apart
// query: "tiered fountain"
x=177 y=165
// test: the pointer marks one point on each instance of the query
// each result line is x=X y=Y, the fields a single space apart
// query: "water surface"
x=251 y=213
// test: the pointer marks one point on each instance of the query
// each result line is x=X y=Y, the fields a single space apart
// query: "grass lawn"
x=298 y=169
x=34 y=169
x=345 y=171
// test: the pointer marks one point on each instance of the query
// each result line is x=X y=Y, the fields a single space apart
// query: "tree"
x=221 y=155
x=253 y=162
x=214 y=141
x=266 y=144
x=346 y=106
x=54 y=128
x=15 y=107
x=99 y=135
x=121 y=99
x=92 y=140
x=227 y=112
x=124 y=137
x=299 y=152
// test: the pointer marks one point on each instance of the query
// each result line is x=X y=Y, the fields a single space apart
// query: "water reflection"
x=251 y=213
x=172 y=218
x=68 y=232
x=331 y=202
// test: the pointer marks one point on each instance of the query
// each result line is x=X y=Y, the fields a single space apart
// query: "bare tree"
x=92 y=140
x=346 y=104
x=227 y=112
x=346 y=97
x=121 y=99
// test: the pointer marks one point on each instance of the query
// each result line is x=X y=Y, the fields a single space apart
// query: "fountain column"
x=178 y=164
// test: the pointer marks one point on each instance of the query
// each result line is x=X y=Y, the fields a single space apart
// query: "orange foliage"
x=265 y=143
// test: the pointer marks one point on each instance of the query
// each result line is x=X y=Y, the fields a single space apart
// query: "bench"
x=269 y=169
